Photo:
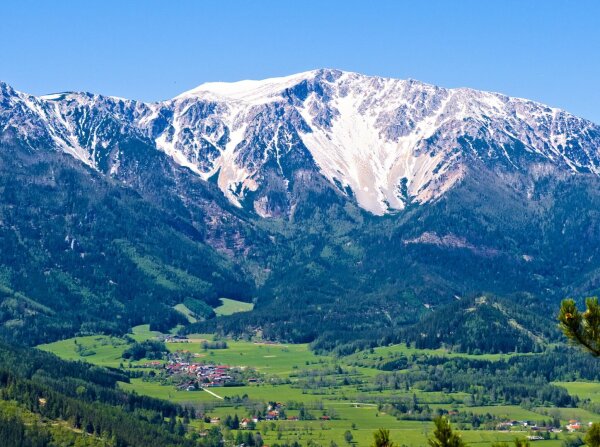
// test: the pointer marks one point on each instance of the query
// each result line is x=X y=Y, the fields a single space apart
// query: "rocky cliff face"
x=382 y=142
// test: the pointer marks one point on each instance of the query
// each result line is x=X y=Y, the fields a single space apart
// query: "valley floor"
x=322 y=398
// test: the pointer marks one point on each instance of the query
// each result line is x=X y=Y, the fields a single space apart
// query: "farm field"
x=506 y=411
x=566 y=414
x=97 y=349
x=584 y=390
x=287 y=372
x=142 y=333
x=267 y=358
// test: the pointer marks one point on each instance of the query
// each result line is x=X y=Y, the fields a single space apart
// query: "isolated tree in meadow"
x=582 y=329
x=443 y=436
x=381 y=438
x=348 y=436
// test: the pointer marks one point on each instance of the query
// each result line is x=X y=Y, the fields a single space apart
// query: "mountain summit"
x=383 y=142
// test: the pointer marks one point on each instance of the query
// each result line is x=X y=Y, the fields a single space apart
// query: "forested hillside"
x=83 y=254
x=45 y=401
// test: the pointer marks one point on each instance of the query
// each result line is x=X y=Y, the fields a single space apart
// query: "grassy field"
x=142 y=332
x=363 y=421
x=99 y=349
x=508 y=412
x=566 y=414
x=229 y=307
x=583 y=390
x=182 y=309
x=266 y=358
x=388 y=353
x=353 y=406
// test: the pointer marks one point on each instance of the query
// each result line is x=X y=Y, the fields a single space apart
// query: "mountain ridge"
x=383 y=141
x=124 y=209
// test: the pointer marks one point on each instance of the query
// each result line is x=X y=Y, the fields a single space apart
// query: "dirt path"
x=210 y=392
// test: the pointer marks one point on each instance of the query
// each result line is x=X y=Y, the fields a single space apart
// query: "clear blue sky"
x=544 y=50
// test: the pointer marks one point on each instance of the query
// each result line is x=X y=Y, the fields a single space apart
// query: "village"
x=537 y=432
x=190 y=375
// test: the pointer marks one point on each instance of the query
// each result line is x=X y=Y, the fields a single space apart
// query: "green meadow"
x=386 y=353
x=282 y=366
x=182 y=309
x=583 y=390
x=267 y=358
x=230 y=307
x=98 y=349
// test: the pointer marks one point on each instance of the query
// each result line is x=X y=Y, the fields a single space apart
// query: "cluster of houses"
x=153 y=364
x=202 y=375
x=571 y=427
x=245 y=424
x=274 y=411
x=206 y=375
x=507 y=425
x=176 y=339
x=575 y=425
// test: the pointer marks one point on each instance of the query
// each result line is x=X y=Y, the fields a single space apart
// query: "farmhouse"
x=247 y=424
x=176 y=339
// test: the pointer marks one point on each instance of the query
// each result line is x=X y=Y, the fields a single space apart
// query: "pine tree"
x=381 y=438
x=443 y=435
x=592 y=437
x=239 y=438
x=582 y=328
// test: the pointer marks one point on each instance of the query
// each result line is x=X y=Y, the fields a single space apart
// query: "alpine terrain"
x=352 y=210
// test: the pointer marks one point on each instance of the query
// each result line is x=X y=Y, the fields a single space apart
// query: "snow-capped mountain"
x=113 y=211
x=382 y=142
